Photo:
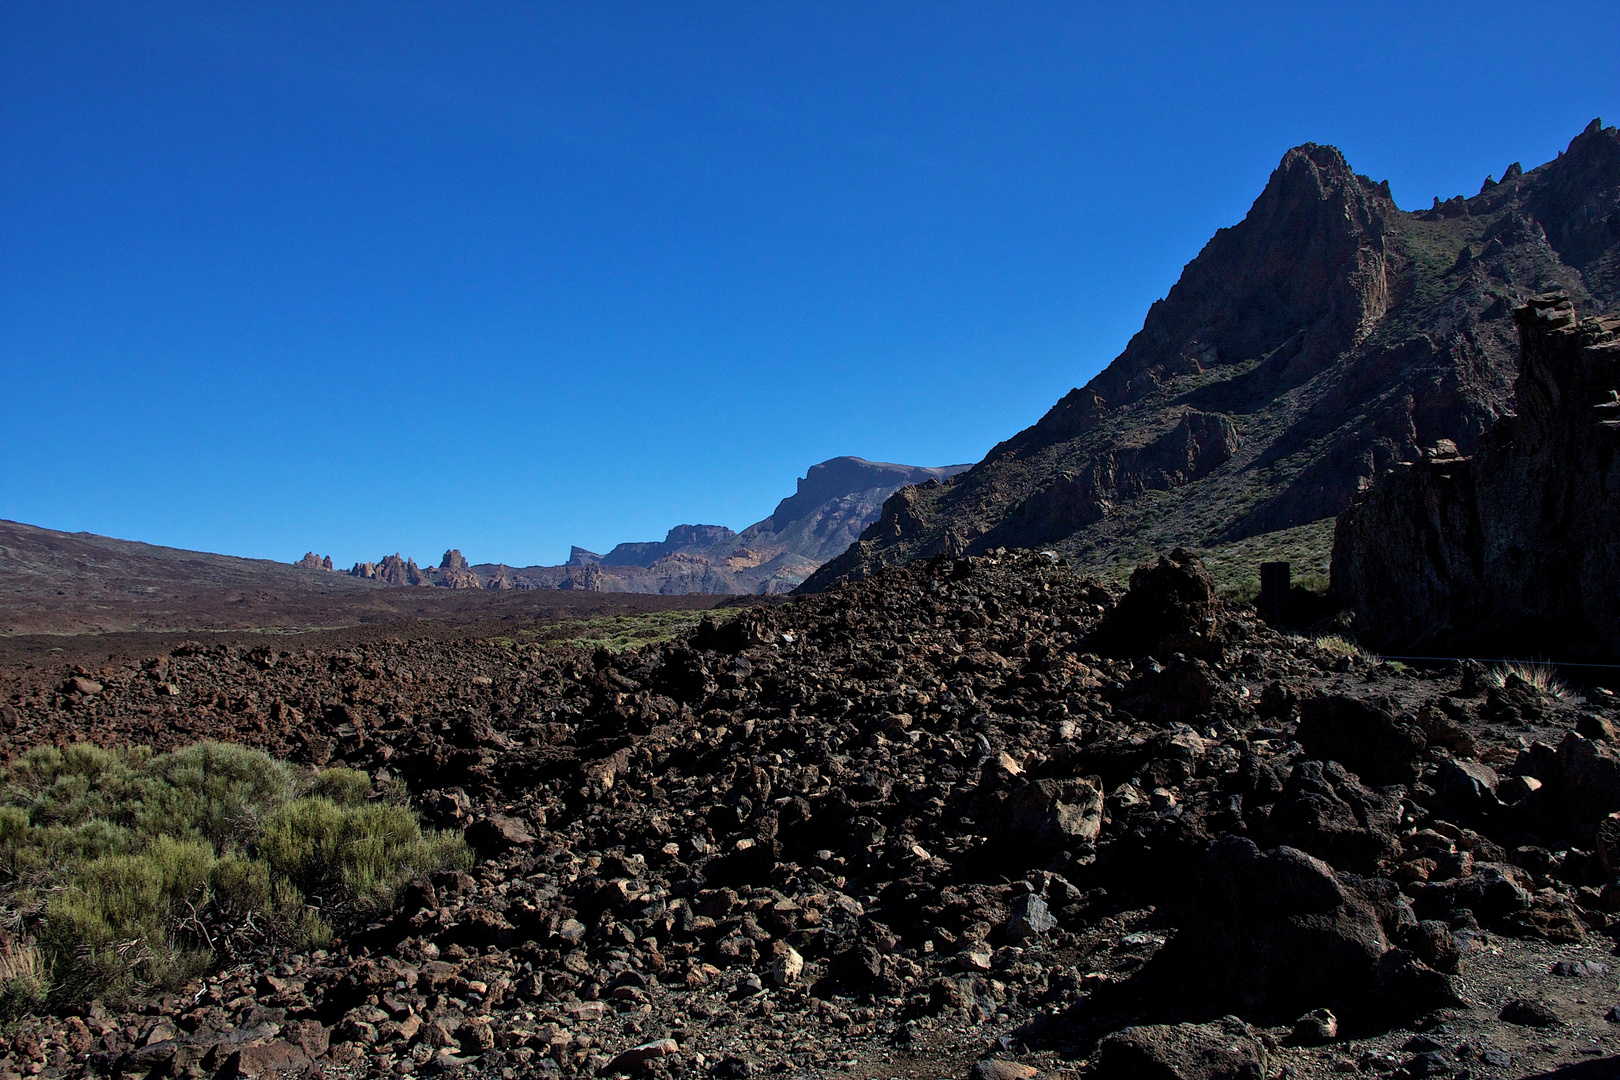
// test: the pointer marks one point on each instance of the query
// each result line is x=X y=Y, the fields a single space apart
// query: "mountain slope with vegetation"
x=1307 y=348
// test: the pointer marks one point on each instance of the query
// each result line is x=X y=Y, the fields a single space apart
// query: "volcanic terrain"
x=978 y=808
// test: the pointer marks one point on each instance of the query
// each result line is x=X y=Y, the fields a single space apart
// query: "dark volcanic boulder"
x=1468 y=786
x=1172 y=600
x=1587 y=778
x=1053 y=814
x=1492 y=892
x=1327 y=812
x=1273 y=932
x=1364 y=736
x=1225 y=1050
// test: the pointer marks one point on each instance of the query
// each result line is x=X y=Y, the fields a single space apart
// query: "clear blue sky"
x=396 y=277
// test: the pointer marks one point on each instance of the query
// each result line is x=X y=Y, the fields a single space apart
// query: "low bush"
x=132 y=871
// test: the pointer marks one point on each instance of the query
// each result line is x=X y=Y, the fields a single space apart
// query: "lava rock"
x=1226 y=1050
x=1364 y=736
x=1270 y=930
x=1055 y=814
x=1030 y=918
x=1173 y=599
x=1528 y=1013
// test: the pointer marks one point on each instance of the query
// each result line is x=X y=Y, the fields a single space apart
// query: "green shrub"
x=252 y=903
x=352 y=858
x=131 y=919
x=346 y=787
x=215 y=791
x=133 y=871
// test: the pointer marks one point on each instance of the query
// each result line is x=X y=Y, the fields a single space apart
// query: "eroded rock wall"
x=1516 y=548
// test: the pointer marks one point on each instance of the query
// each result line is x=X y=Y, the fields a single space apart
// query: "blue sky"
x=396 y=277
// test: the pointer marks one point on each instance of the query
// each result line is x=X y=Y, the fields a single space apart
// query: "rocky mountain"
x=680 y=538
x=834 y=503
x=1325 y=337
x=1511 y=550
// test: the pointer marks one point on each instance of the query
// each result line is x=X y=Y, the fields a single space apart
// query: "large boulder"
x=1225 y=1050
x=1493 y=892
x=1587 y=778
x=1272 y=932
x=1171 y=602
x=1364 y=736
x=1055 y=814
x=1327 y=812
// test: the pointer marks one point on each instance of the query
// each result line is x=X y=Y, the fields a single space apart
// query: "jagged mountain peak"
x=1323 y=337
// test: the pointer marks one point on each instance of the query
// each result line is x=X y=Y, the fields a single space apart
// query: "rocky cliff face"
x=1305 y=350
x=1517 y=547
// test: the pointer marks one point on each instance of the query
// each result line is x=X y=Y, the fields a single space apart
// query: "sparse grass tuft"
x=24 y=984
x=1541 y=677
x=1334 y=645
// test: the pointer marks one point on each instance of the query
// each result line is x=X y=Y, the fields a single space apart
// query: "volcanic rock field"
x=971 y=815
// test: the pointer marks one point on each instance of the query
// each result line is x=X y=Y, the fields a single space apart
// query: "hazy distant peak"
x=840 y=476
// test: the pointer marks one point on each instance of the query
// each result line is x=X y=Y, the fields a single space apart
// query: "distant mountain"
x=680 y=538
x=835 y=502
x=1307 y=348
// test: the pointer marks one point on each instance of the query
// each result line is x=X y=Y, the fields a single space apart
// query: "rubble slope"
x=966 y=808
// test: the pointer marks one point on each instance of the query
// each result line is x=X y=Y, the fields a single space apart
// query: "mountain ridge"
x=832 y=505
x=1305 y=349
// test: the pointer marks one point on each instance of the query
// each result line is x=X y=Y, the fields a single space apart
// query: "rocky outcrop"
x=454 y=573
x=1517 y=546
x=312 y=561
x=1198 y=444
x=391 y=570
x=1307 y=349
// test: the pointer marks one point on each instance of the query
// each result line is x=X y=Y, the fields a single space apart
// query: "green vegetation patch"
x=1234 y=567
x=1308 y=549
x=132 y=872
x=619 y=633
